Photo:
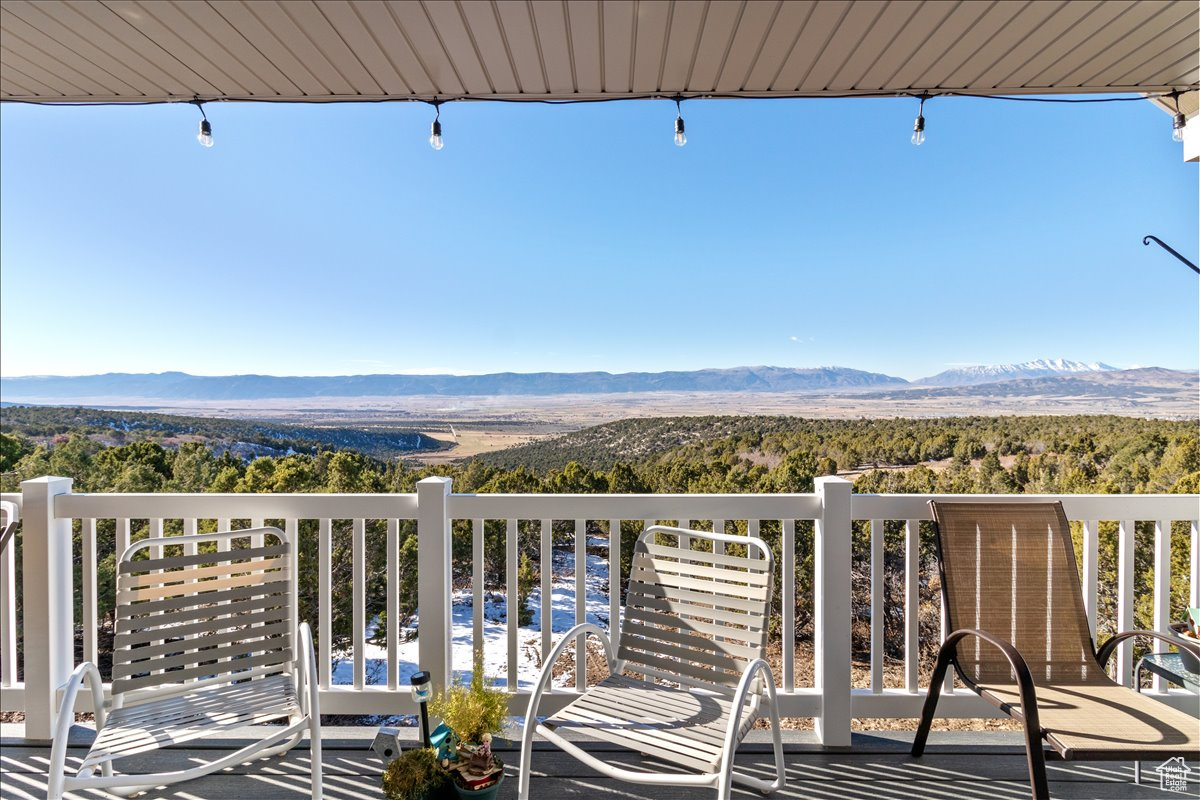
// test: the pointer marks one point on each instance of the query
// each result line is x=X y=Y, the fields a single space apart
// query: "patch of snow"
x=495 y=629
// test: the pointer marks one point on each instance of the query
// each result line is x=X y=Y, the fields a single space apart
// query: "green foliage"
x=12 y=449
x=473 y=709
x=527 y=578
x=679 y=455
x=415 y=775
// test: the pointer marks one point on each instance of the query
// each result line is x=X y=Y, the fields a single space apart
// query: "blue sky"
x=320 y=240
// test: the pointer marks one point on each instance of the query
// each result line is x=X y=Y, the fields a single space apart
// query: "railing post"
x=48 y=622
x=832 y=595
x=434 y=579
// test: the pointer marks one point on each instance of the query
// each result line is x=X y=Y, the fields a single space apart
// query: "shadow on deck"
x=957 y=766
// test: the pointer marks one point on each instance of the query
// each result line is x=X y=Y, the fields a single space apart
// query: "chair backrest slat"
x=694 y=616
x=1010 y=569
x=212 y=615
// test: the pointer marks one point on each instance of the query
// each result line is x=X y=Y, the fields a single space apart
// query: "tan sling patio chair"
x=204 y=644
x=694 y=632
x=1021 y=641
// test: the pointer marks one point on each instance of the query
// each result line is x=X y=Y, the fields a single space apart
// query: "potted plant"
x=474 y=712
x=415 y=775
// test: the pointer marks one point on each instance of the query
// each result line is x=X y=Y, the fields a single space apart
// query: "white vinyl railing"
x=49 y=510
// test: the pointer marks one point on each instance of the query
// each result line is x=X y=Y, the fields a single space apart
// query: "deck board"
x=877 y=767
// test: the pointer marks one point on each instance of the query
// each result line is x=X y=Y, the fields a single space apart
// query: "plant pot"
x=487 y=793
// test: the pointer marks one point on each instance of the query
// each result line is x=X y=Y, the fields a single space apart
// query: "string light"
x=435 y=130
x=918 y=136
x=204 y=137
x=680 y=136
x=1177 y=125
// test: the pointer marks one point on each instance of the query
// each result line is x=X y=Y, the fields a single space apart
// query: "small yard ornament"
x=387 y=744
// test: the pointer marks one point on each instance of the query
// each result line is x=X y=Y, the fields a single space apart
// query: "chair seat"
x=682 y=727
x=1104 y=721
x=181 y=718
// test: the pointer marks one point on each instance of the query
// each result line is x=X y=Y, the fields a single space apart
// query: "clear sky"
x=322 y=240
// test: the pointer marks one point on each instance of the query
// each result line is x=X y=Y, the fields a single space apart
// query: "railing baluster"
x=324 y=604
x=359 y=615
x=8 y=615
x=876 y=606
x=121 y=539
x=1125 y=562
x=224 y=525
x=477 y=589
x=1194 y=598
x=1091 y=551
x=546 y=569
x=912 y=605
x=580 y=602
x=614 y=576
x=155 y=531
x=944 y=629
x=87 y=540
x=788 y=603
x=291 y=527
x=393 y=603
x=512 y=611
x=1162 y=584
x=718 y=527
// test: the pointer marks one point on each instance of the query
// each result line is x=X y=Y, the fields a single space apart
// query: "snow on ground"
x=495 y=627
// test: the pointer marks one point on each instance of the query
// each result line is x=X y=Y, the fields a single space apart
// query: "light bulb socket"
x=1179 y=122
x=205 y=128
x=678 y=125
x=436 y=128
x=919 y=125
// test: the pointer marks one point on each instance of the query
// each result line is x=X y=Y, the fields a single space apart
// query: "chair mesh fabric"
x=193 y=617
x=1010 y=569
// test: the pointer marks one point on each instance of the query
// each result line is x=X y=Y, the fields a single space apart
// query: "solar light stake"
x=421 y=692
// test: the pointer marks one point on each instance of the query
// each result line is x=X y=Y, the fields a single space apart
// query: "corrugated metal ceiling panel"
x=324 y=50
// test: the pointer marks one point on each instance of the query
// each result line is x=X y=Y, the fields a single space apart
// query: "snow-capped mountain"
x=967 y=376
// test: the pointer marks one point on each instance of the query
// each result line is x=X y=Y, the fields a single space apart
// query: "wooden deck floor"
x=956 y=767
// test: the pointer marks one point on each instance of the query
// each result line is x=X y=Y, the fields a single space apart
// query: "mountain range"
x=1043 y=367
x=179 y=386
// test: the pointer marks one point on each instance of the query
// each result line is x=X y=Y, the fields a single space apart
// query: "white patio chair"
x=694 y=630
x=203 y=644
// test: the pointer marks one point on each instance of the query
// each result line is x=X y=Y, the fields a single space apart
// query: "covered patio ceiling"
x=370 y=50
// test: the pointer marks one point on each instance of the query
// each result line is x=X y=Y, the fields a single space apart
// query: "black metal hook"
x=1147 y=239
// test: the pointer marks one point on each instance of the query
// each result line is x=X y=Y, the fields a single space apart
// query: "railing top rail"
x=634 y=506
x=589 y=506
x=1076 y=506
x=236 y=506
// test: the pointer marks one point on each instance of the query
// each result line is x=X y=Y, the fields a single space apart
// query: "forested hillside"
x=245 y=438
x=969 y=454
x=700 y=454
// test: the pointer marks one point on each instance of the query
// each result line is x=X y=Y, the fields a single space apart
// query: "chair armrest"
x=306 y=667
x=66 y=709
x=548 y=664
x=1025 y=686
x=742 y=694
x=1104 y=654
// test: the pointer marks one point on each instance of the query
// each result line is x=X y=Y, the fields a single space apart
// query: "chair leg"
x=931 y=701
x=314 y=755
x=525 y=760
x=725 y=779
x=1036 y=756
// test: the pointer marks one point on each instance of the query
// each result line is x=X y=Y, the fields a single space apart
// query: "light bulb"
x=680 y=136
x=918 y=131
x=435 y=136
x=204 y=137
x=1177 y=127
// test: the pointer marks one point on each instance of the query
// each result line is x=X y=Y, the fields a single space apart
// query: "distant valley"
x=445 y=417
